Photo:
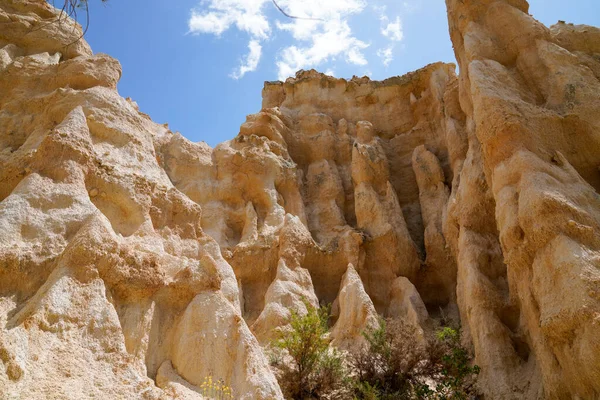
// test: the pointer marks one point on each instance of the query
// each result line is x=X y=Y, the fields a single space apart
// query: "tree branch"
x=292 y=16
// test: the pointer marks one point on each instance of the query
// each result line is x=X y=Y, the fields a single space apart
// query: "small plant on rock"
x=457 y=373
x=306 y=366
x=215 y=390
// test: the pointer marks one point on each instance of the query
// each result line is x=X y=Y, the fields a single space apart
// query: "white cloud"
x=251 y=62
x=412 y=5
x=326 y=37
x=208 y=23
x=379 y=9
x=354 y=55
x=392 y=30
x=247 y=16
x=220 y=15
x=327 y=41
x=324 y=11
x=386 y=54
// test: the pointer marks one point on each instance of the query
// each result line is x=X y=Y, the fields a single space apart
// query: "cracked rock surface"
x=135 y=263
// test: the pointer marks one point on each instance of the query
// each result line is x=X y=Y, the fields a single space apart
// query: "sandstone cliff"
x=135 y=263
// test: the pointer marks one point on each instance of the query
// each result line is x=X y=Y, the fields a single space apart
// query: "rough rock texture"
x=135 y=263
x=439 y=274
x=211 y=339
x=104 y=266
x=406 y=303
x=355 y=313
x=531 y=96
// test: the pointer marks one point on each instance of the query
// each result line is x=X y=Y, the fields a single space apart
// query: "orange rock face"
x=136 y=264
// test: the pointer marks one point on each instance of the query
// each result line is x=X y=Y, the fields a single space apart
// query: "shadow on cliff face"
x=145 y=263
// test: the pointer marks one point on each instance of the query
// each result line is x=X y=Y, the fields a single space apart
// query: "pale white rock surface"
x=212 y=340
x=355 y=313
x=100 y=255
x=406 y=305
x=134 y=262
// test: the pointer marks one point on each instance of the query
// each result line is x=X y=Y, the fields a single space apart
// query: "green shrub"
x=393 y=366
x=364 y=390
x=383 y=367
x=306 y=366
x=456 y=371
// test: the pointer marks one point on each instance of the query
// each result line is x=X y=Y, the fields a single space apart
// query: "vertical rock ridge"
x=137 y=264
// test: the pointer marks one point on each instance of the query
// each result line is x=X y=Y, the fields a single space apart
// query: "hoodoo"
x=135 y=263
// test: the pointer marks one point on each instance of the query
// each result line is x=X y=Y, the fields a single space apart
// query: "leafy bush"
x=384 y=366
x=393 y=366
x=306 y=366
x=364 y=390
x=456 y=372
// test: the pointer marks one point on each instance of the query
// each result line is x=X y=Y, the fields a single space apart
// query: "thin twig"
x=292 y=16
x=87 y=23
x=54 y=21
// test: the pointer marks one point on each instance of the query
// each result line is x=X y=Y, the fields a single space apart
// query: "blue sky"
x=199 y=65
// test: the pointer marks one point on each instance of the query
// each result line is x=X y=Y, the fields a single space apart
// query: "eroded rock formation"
x=135 y=263
x=531 y=96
